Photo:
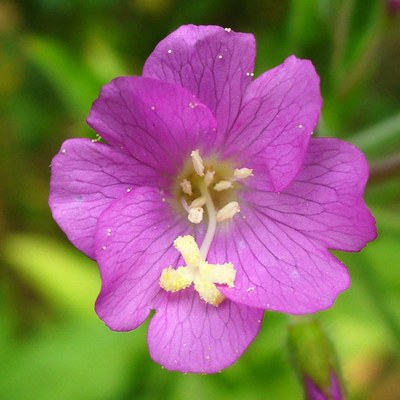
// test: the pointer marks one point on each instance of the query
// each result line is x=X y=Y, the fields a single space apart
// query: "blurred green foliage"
x=54 y=57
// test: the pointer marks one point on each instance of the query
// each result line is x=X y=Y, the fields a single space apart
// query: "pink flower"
x=210 y=202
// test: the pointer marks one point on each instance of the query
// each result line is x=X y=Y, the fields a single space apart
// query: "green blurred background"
x=54 y=57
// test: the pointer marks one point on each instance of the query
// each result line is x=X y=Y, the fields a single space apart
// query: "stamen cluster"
x=209 y=187
x=203 y=190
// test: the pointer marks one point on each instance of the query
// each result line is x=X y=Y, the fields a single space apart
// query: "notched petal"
x=280 y=248
x=325 y=200
x=213 y=63
x=153 y=121
x=86 y=178
x=132 y=258
x=280 y=111
x=188 y=335
x=277 y=267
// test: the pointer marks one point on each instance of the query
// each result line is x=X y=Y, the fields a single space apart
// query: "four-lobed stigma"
x=203 y=275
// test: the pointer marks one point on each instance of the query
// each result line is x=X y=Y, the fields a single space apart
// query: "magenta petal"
x=280 y=111
x=85 y=178
x=278 y=241
x=158 y=123
x=213 y=63
x=325 y=199
x=278 y=268
x=134 y=243
x=188 y=335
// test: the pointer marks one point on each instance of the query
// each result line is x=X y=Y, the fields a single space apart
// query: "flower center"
x=206 y=192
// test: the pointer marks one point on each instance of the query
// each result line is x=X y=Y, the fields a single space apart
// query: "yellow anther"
x=173 y=280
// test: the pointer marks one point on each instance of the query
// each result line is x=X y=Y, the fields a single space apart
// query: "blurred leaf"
x=75 y=83
x=354 y=55
x=388 y=223
x=303 y=24
x=366 y=311
x=385 y=195
x=6 y=320
x=340 y=35
x=61 y=274
x=102 y=59
x=379 y=136
x=82 y=361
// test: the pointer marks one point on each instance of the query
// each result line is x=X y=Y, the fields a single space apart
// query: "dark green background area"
x=54 y=57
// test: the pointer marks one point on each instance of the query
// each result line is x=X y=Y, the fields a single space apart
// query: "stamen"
x=186 y=187
x=196 y=215
x=223 y=185
x=195 y=210
x=199 y=202
x=209 y=177
x=204 y=276
x=228 y=211
x=197 y=162
x=242 y=173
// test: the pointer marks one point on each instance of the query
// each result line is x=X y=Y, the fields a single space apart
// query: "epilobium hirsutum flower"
x=210 y=202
